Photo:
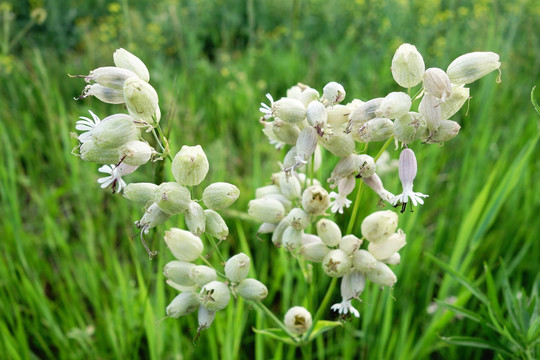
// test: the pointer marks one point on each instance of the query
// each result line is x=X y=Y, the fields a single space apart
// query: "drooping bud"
x=183 y=304
x=472 y=66
x=202 y=274
x=409 y=127
x=297 y=320
x=266 y=210
x=172 y=198
x=381 y=274
x=285 y=132
x=252 y=290
x=313 y=250
x=460 y=94
x=153 y=216
x=220 y=195
x=183 y=245
x=142 y=101
x=114 y=131
x=333 y=93
x=266 y=228
x=90 y=151
x=446 y=131
x=215 y=225
x=338 y=143
x=190 y=165
x=394 y=105
x=306 y=144
x=366 y=165
x=365 y=112
x=140 y=193
x=377 y=129
x=136 y=153
x=195 y=218
x=126 y=60
x=349 y=244
x=337 y=263
x=103 y=93
x=315 y=200
x=298 y=219
x=237 y=267
x=346 y=167
x=430 y=108
x=215 y=296
x=407 y=66
x=379 y=225
x=329 y=232
x=437 y=83
x=291 y=238
x=363 y=261
x=385 y=248
x=205 y=318
x=178 y=272
x=277 y=235
x=110 y=76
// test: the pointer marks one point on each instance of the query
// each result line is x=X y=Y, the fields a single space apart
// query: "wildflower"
x=252 y=290
x=114 y=180
x=237 y=267
x=333 y=93
x=407 y=173
x=267 y=110
x=87 y=124
x=352 y=285
x=345 y=187
x=298 y=320
x=407 y=66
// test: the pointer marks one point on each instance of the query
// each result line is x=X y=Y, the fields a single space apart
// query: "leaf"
x=276 y=334
x=323 y=326
x=533 y=100
x=474 y=342
x=458 y=310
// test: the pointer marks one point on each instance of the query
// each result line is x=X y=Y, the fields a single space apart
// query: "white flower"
x=345 y=187
x=115 y=179
x=344 y=307
x=267 y=110
x=352 y=285
x=407 y=173
x=86 y=124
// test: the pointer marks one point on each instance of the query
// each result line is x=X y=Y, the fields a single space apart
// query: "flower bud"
x=140 y=193
x=215 y=296
x=306 y=144
x=215 y=225
x=460 y=94
x=377 y=129
x=290 y=186
x=178 y=272
x=299 y=219
x=285 y=201
x=195 y=218
x=338 y=114
x=136 y=153
x=446 y=131
x=266 y=210
x=205 y=318
x=329 y=232
x=437 y=83
x=297 y=320
x=472 y=66
x=252 y=290
x=114 y=131
x=237 y=267
x=202 y=274
x=394 y=259
x=336 y=263
x=407 y=66
x=338 y=143
x=366 y=165
x=183 y=245
x=220 y=195
x=316 y=114
x=90 y=151
x=277 y=235
x=142 y=101
x=289 y=110
x=379 y=225
x=430 y=108
x=126 y=60
x=385 y=248
x=409 y=127
x=291 y=238
x=266 y=190
x=333 y=93
x=313 y=250
x=363 y=261
x=346 y=167
x=266 y=228
x=103 y=93
x=172 y=198
x=315 y=200
x=190 y=165
x=394 y=105
x=285 y=132
x=308 y=95
x=365 y=112
x=153 y=216
x=381 y=274
x=183 y=304
x=349 y=244
x=110 y=76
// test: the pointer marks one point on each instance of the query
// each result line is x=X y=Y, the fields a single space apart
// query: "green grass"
x=75 y=283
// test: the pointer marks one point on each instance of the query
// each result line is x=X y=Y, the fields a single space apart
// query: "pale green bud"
x=377 y=129
x=308 y=95
x=266 y=228
x=277 y=236
x=430 y=108
x=179 y=272
x=460 y=94
x=407 y=66
x=472 y=66
x=437 y=83
x=215 y=225
x=114 y=131
x=183 y=245
x=140 y=193
x=103 y=93
x=292 y=238
x=252 y=290
x=337 y=263
x=266 y=210
x=110 y=76
x=136 y=153
x=172 y=198
x=289 y=110
x=220 y=195
x=338 y=143
x=142 y=101
x=363 y=261
x=191 y=288
x=447 y=130
x=297 y=320
x=379 y=225
x=409 y=127
x=349 y=244
x=126 y=60
x=90 y=151
x=366 y=165
x=385 y=248
x=285 y=201
x=299 y=219
x=190 y=165
x=267 y=190
x=316 y=114
x=329 y=232
x=333 y=93
x=346 y=167
x=183 y=304
x=314 y=250
x=215 y=296
x=202 y=274
x=338 y=114
x=394 y=105
x=285 y=132
x=153 y=216
x=394 y=259
x=365 y=112
x=290 y=186
x=381 y=274
x=237 y=267
x=315 y=200
x=195 y=218
x=306 y=144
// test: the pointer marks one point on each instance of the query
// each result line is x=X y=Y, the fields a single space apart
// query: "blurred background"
x=74 y=282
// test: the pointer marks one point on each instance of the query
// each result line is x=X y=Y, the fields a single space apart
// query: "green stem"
x=388 y=142
x=355 y=208
x=165 y=147
x=322 y=308
x=278 y=322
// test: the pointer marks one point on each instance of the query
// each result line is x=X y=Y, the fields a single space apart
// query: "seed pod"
x=315 y=200
x=126 y=60
x=172 y=198
x=291 y=238
x=114 y=131
x=338 y=114
x=183 y=245
x=252 y=290
x=266 y=190
x=377 y=129
x=363 y=261
x=277 y=236
x=237 y=267
x=298 y=219
x=460 y=94
x=215 y=225
x=103 y=93
x=110 y=76
x=472 y=66
x=407 y=66
x=431 y=110
x=338 y=143
x=446 y=131
x=329 y=232
x=190 y=165
x=153 y=216
x=385 y=248
x=394 y=259
x=316 y=114
x=315 y=250
x=336 y=263
x=437 y=83
x=333 y=93
x=285 y=132
x=365 y=112
x=183 y=304
x=215 y=296
x=297 y=320
x=349 y=244
x=409 y=127
x=195 y=218
x=136 y=153
x=379 y=225
x=220 y=195
x=140 y=193
x=381 y=274
x=202 y=274
x=266 y=210
x=289 y=110
x=290 y=186
x=178 y=272
x=142 y=101
x=394 y=105
x=90 y=151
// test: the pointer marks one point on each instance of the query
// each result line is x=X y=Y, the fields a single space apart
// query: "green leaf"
x=533 y=100
x=458 y=310
x=323 y=326
x=474 y=342
x=276 y=334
